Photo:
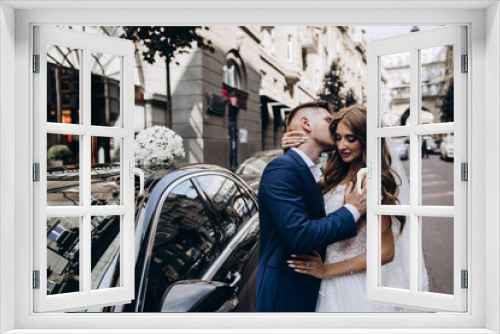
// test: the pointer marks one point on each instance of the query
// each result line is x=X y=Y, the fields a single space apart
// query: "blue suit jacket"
x=292 y=221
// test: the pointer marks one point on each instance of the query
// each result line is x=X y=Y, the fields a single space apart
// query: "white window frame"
x=484 y=103
x=413 y=43
x=86 y=44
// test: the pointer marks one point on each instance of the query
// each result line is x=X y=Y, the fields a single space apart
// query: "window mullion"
x=415 y=180
x=86 y=154
x=434 y=211
x=63 y=128
x=85 y=158
x=101 y=131
x=398 y=131
x=392 y=210
x=85 y=265
x=109 y=210
x=127 y=157
x=432 y=129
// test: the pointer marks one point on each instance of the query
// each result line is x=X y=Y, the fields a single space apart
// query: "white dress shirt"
x=317 y=173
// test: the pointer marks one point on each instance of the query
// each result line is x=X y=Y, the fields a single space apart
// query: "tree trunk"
x=169 y=96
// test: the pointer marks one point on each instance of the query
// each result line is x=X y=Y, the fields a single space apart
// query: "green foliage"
x=448 y=105
x=59 y=152
x=333 y=87
x=165 y=41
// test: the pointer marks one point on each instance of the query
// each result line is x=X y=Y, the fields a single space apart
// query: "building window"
x=273 y=49
x=231 y=75
x=289 y=48
x=317 y=79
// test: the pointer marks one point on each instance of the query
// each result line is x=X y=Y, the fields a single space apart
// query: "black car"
x=196 y=241
x=252 y=168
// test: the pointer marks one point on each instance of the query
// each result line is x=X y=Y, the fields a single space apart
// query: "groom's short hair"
x=313 y=104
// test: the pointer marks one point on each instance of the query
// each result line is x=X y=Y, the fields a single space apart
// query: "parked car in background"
x=447 y=148
x=432 y=147
x=252 y=168
x=401 y=147
x=196 y=237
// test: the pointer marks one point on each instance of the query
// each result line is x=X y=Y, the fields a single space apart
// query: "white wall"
x=492 y=164
x=7 y=158
x=486 y=117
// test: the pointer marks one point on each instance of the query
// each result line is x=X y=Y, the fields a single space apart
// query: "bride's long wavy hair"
x=337 y=170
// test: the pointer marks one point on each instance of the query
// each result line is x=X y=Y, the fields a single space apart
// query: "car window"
x=185 y=243
x=235 y=208
x=232 y=207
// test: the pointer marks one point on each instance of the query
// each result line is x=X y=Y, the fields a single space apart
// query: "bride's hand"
x=292 y=139
x=309 y=264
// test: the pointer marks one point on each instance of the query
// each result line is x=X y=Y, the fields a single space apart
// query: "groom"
x=292 y=215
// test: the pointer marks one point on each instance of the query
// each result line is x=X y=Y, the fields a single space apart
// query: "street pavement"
x=437 y=232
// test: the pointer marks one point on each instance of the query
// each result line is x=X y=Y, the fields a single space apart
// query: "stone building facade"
x=233 y=102
x=436 y=78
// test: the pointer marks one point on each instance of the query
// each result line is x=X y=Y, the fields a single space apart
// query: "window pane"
x=63 y=170
x=105 y=88
x=437 y=174
x=436 y=73
x=395 y=252
x=63 y=84
x=234 y=208
x=391 y=180
x=105 y=175
x=437 y=247
x=105 y=250
x=395 y=89
x=63 y=255
x=185 y=244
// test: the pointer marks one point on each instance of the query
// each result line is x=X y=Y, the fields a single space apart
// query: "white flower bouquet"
x=158 y=145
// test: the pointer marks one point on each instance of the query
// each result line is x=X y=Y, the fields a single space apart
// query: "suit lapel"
x=310 y=179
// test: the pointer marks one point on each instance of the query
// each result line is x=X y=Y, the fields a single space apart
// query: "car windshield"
x=254 y=165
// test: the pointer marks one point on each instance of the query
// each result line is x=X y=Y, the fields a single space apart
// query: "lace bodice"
x=348 y=248
x=346 y=293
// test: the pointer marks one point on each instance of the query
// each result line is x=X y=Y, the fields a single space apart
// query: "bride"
x=343 y=273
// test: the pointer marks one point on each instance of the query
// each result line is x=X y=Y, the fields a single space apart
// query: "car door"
x=183 y=244
x=238 y=216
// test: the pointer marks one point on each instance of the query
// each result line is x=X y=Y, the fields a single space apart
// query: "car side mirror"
x=196 y=296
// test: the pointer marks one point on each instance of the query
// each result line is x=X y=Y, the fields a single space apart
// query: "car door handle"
x=137 y=171
x=236 y=278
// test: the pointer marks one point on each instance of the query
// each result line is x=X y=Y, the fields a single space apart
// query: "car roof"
x=178 y=170
x=268 y=153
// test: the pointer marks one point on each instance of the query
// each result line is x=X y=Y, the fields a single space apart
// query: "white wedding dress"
x=347 y=293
